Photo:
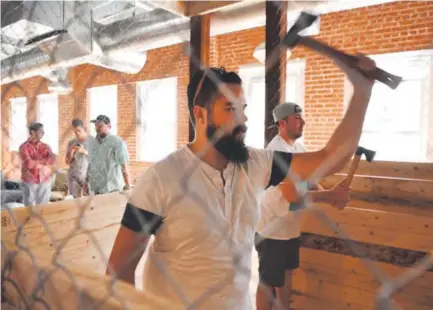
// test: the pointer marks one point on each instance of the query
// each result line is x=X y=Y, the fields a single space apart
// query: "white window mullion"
x=18 y=131
x=103 y=100
x=157 y=118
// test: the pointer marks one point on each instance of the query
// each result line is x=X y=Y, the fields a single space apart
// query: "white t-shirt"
x=274 y=222
x=202 y=252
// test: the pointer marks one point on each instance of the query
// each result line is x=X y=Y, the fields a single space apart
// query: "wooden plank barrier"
x=333 y=281
x=403 y=170
x=391 y=217
x=45 y=286
x=388 y=188
x=395 y=237
x=83 y=228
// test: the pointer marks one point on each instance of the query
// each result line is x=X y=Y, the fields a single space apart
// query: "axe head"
x=369 y=154
x=304 y=21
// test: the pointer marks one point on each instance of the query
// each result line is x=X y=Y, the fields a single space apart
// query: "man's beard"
x=233 y=149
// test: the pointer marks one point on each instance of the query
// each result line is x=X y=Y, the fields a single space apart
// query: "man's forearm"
x=318 y=196
x=289 y=192
x=125 y=173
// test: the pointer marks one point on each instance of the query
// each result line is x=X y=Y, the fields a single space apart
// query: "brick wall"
x=392 y=27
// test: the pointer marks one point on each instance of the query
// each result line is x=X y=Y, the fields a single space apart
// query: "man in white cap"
x=278 y=235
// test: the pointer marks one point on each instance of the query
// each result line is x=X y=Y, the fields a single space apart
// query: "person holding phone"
x=77 y=157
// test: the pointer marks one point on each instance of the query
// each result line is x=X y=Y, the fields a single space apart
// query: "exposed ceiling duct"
x=41 y=37
x=106 y=34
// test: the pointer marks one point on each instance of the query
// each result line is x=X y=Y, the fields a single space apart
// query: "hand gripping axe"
x=369 y=156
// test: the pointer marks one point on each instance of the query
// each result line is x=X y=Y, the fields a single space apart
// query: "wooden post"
x=199 y=44
x=275 y=77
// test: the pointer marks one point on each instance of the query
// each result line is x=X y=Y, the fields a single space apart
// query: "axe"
x=305 y=20
x=369 y=156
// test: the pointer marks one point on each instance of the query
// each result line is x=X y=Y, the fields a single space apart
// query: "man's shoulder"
x=300 y=147
x=277 y=144
x=259 y=155
x=115 y=138
x=170 y=168
x=23 y=146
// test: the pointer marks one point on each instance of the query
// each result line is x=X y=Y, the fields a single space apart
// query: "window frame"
x=12 y=101
x=114 y=120
x=426 y=112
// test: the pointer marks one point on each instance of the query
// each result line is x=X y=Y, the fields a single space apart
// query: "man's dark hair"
x=35 y=127
x=205 y=92
x=77 y=123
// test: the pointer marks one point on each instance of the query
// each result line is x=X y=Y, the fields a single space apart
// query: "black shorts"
x=275 y=257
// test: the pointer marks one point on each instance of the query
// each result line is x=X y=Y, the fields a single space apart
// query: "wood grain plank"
x=422 y=171
x=321 y=274
x=387 y=187
x=346 y=264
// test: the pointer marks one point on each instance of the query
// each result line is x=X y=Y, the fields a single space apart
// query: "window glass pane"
x=48 y=115
x=157 y=140
x=254 y=87
x=395 y=110
x=255 y=136
x=157 y=118
x=103 y=100
x=398 y=121
x=292 y=89
x=18 y=132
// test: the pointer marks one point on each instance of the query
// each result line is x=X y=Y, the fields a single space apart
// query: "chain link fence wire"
x=30 y=280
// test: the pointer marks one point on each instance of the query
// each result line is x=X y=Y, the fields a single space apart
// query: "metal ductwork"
x=114 y=41
x=59 y=81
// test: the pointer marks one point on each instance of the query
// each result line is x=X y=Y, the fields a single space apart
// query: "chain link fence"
x=30 y=280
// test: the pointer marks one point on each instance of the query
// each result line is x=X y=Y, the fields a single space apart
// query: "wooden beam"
x=421 y=171
x=380 y=228
x=344 y=282
x=193 y=8
x=200 y=55
x=392 y=188
x=275 y=82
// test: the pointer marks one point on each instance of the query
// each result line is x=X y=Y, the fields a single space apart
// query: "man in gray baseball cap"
x=278 y=249
x=288 y=119
x=284 y=110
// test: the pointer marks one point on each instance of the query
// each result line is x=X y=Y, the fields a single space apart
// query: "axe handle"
x=353 y=168
x=380 y=75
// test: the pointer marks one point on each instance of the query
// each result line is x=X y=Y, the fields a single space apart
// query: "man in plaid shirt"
x=37 y=159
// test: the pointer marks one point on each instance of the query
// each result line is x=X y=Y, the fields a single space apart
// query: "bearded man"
x=201 y=203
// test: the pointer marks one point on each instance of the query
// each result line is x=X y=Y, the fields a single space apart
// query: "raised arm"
x=343 y=142
x=338 y=196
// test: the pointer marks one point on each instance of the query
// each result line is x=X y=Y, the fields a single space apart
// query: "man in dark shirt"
x=37 y=160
